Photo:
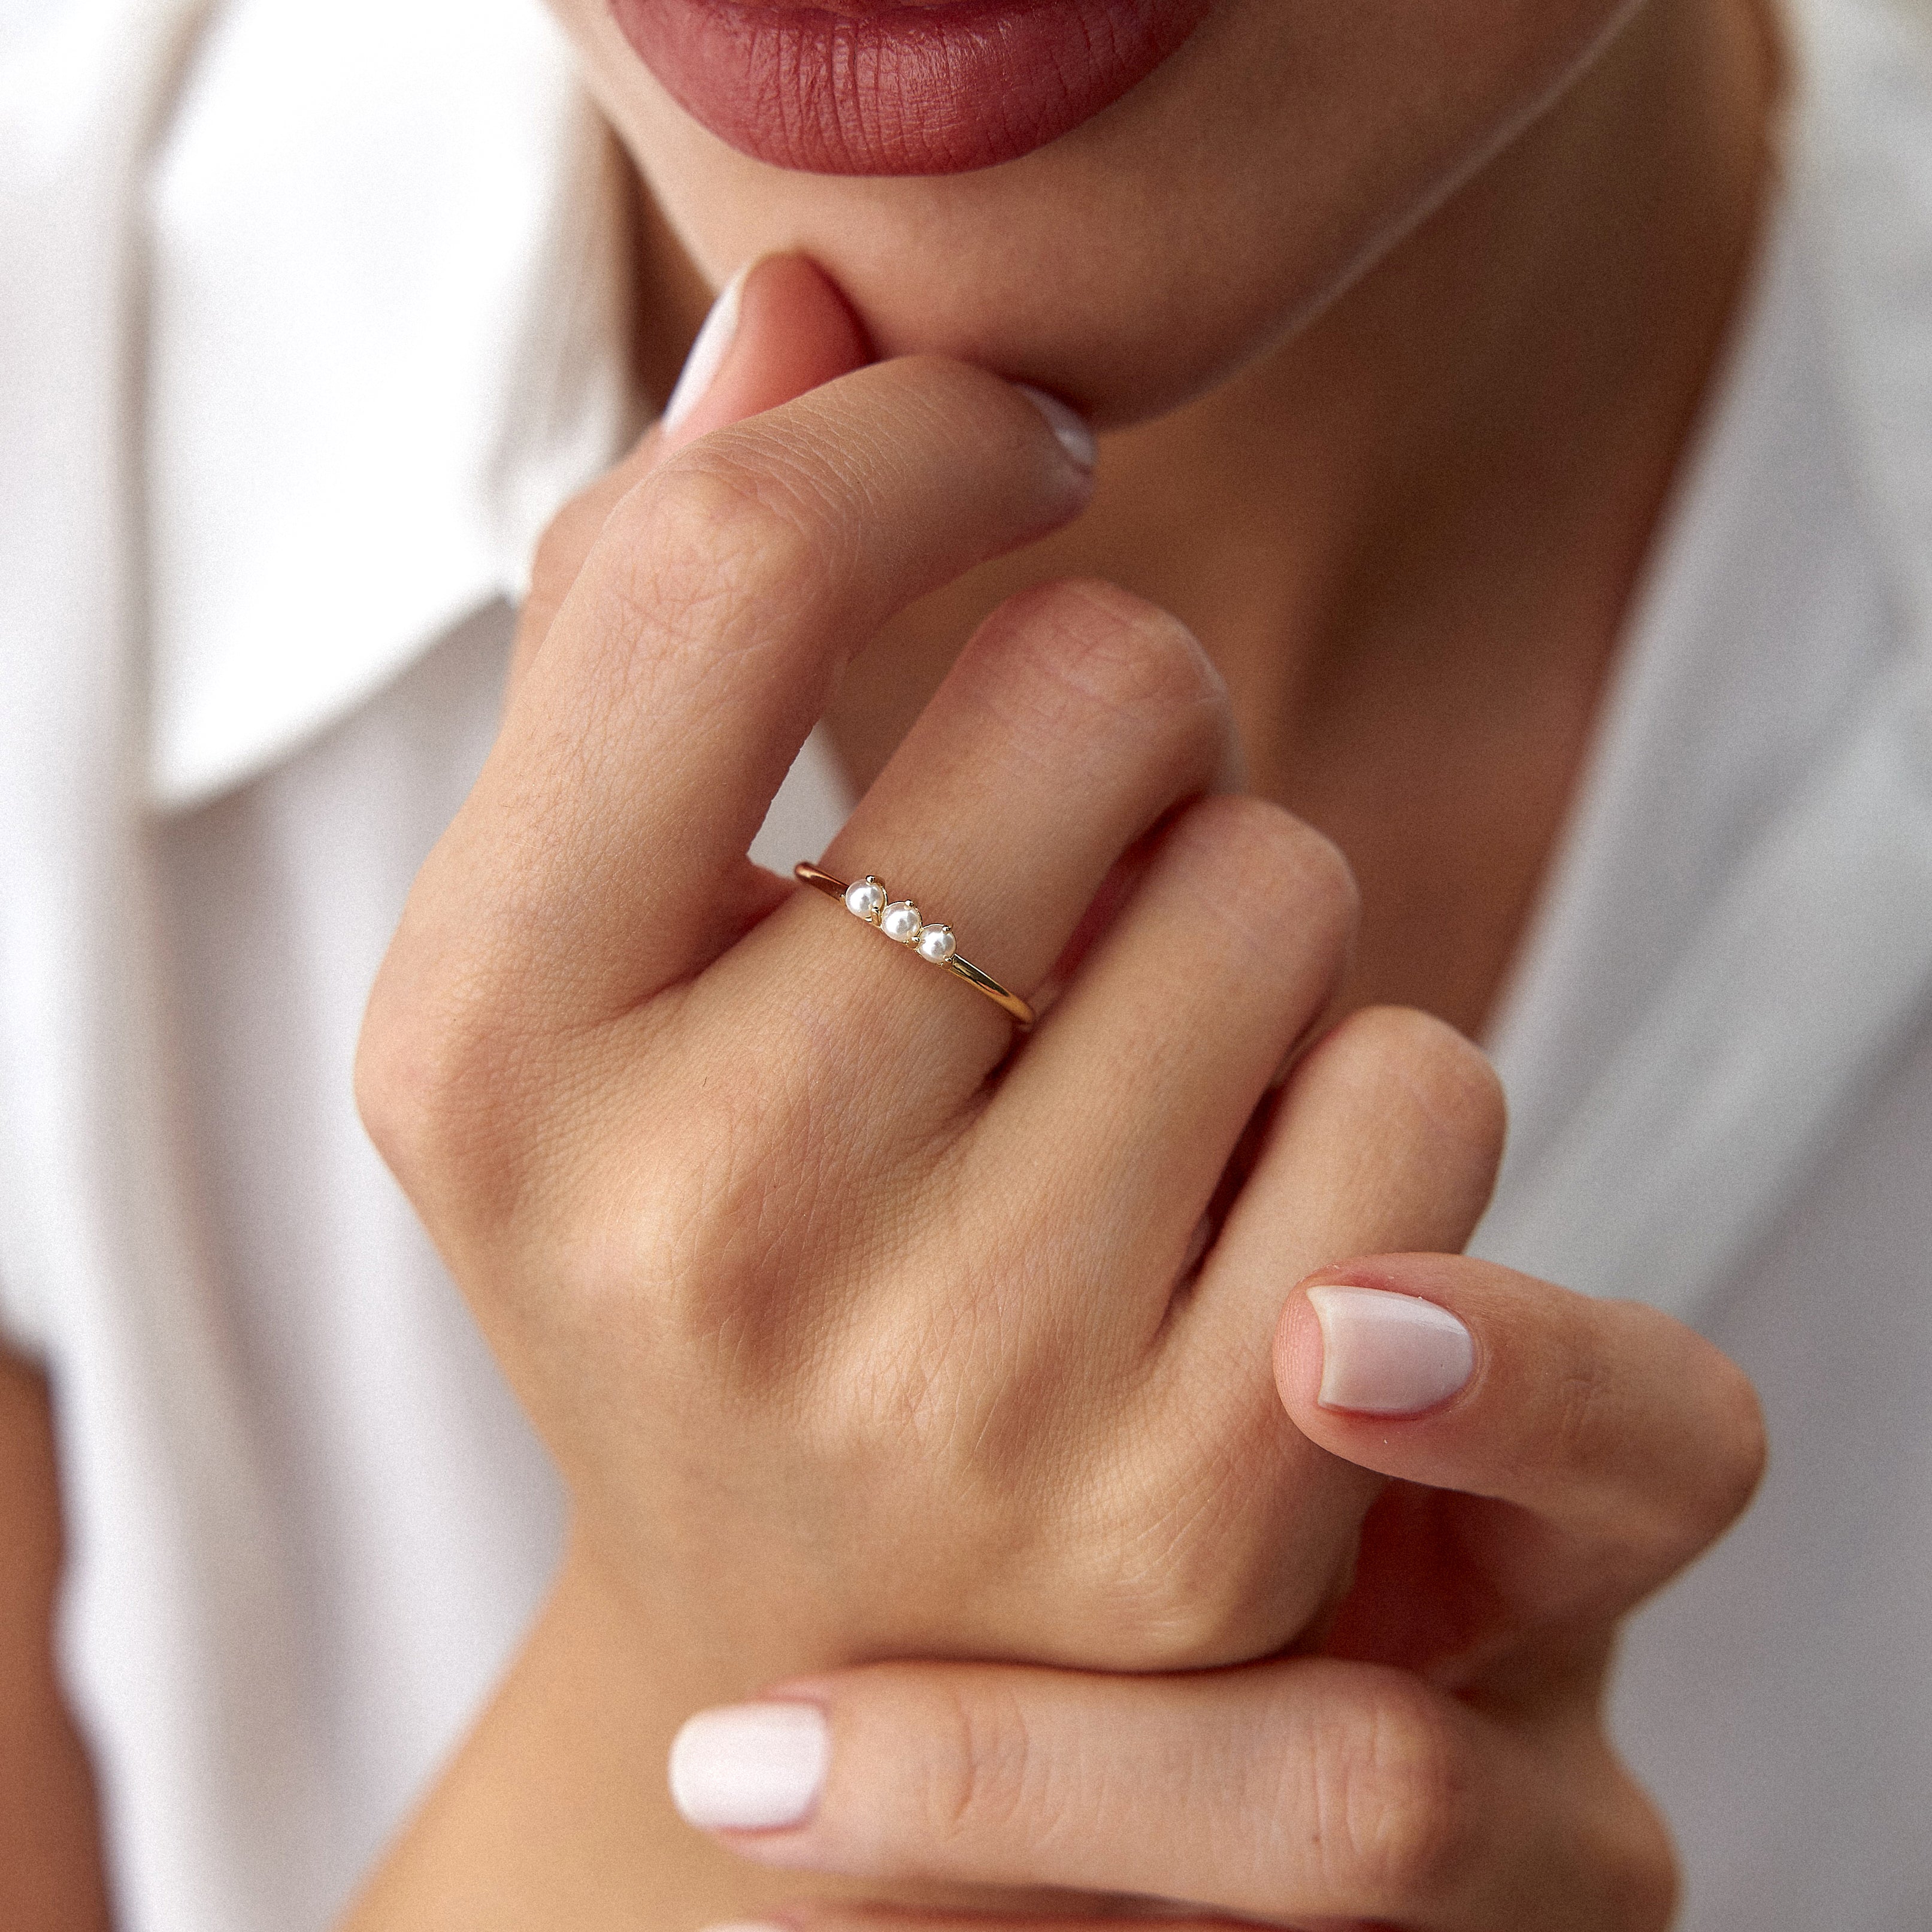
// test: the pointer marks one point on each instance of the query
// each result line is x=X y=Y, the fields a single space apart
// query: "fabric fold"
x=373 y=367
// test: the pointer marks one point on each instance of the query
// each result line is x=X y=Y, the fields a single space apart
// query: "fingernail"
x=1069 y=426
x=750 y=1767
x=713 y=345
x=1388 y=1354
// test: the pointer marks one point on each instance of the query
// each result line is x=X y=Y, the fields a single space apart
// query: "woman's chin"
x=1153 y=250
x=1107 y=357
x=1047 y=270
x=1124 y=342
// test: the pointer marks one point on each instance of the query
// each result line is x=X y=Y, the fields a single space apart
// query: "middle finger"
x=1150 y=1065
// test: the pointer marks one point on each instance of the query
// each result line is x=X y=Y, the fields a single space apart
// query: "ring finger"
x=1075 y=718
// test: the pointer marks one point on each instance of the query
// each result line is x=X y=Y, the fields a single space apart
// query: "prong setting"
x=900 y=921
x=867 y=899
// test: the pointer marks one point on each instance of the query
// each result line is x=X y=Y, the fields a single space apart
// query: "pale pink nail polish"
x=1070 y=429
x=750 y=1767
x=1384 y=1353
x=707 y=352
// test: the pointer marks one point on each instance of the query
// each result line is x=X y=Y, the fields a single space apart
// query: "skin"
x=50 y=1876
x=1144 y=258
x=1522 y=1523
x=1406 y=551
x=1409 y=548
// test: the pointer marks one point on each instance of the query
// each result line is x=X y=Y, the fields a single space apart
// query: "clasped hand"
x=860 y=1334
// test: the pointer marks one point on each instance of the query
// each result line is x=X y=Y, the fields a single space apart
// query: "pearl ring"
x=867 y=899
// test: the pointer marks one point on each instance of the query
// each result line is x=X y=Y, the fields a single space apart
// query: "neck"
x=1496 y=409
x=1408 y=534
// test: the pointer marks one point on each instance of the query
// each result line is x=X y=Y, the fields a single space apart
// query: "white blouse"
x=319 y=321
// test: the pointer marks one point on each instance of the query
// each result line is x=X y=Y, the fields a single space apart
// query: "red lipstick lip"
x=883 y=87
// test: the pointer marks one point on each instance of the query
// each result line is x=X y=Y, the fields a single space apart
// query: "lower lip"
x=883 y=87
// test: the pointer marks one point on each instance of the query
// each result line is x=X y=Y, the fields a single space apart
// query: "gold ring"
x=867 y=899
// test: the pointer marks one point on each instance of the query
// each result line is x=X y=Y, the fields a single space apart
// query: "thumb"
x=1579 y=1452
x=779 y=328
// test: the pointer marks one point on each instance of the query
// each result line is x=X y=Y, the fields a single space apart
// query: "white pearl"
x=937 y=943
x=864 y=897
x=900 y=921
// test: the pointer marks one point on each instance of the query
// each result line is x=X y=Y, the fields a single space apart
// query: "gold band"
x=899 y=920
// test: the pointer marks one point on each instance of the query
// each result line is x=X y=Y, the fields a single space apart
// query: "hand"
x=1452 y=1773
x=857 y=1328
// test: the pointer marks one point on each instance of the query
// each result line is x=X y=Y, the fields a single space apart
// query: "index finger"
x=779 y=330
x=601 y=855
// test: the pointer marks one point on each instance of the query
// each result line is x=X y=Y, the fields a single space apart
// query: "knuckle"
x=1190 y=1620
x=388 y=1094
x=1200 y=1619
x=1449 y=1080
x=1158 y=1607
x=1588 y=1421
x=455 y=1078
x=1401 y=1801
x=979 y=1784
x=1190 y=1573
x=1250 y=859
x=713 y=544
x=429 y=1074
x=1058 y=656
x=1623 y=1843
x=1641 y=1875
x=1287 y=858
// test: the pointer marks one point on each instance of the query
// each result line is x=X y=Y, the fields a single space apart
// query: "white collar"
x=385 y=335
